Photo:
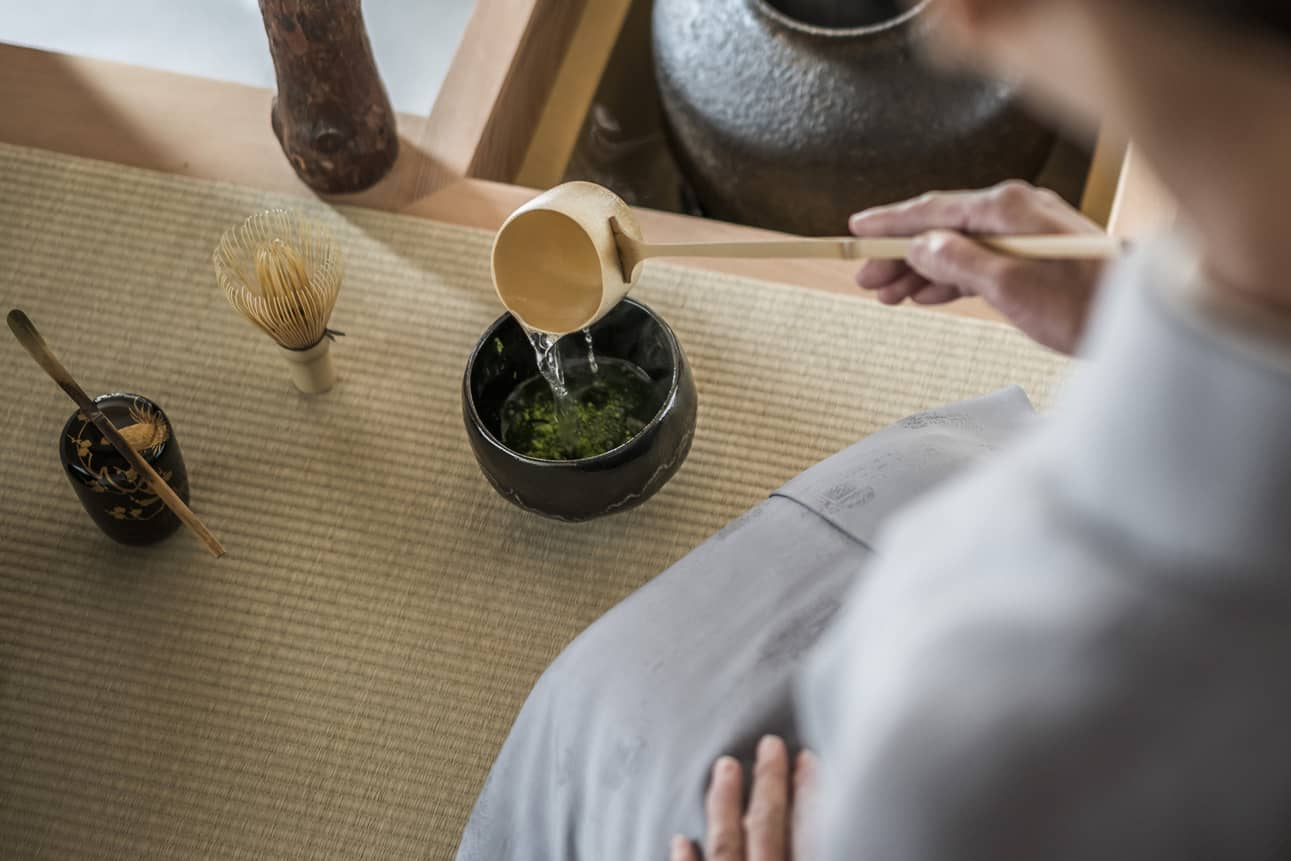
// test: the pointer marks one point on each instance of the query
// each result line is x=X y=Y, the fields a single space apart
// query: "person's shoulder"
x=1007 y=525
x=1016 y=662
x=1003 y=577
x=1005 y=590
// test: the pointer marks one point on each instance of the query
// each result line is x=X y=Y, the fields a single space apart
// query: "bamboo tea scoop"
x=564 y=259
x=25 y=331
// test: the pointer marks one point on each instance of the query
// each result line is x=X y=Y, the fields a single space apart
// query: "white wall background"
x=413 y=40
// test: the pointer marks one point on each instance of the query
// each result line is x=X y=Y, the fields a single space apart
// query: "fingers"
x=941 y=209
x=723 y=806
x=943 y=266
x=903 y=288
x=804 y=776
x=936 y=294
x=682 y=849
x=874 y=274
x=763 y=832
x=766 y=825
x=1010 y=207
x=944 y=257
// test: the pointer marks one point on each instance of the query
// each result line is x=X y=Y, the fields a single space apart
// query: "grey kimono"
x=1076 y=648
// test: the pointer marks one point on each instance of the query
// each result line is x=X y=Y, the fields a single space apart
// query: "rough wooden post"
x=331 y=114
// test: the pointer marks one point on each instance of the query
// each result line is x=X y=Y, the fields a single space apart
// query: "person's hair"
x=1271 y=17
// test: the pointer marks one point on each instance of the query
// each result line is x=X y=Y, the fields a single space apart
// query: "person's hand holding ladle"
x=564 y=259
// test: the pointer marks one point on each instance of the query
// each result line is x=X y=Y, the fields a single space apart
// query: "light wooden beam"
x=143 y=117
x=556 y=134
x=1104 y=176
x=480 y=125
x=488 y=109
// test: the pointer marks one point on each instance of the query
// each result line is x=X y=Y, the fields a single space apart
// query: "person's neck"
x=1222 y=147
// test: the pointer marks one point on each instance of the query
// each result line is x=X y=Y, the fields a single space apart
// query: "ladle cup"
x=565 y=258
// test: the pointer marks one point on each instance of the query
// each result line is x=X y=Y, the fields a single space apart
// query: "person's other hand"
x=773 y=828
x=1047 y=299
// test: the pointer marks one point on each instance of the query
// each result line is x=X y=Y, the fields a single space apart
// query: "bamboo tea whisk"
x=283 y=273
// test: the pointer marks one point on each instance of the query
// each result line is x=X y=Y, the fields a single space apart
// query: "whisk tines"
x=283 y=272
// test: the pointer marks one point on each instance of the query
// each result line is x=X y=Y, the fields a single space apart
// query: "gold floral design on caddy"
x=148 y=433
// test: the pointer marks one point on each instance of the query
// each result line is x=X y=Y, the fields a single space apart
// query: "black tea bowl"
x=616 y=480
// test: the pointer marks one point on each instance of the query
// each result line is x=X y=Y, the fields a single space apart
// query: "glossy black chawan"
x=617 y=480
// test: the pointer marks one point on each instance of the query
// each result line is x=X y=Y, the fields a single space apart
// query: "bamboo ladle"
x=565 y=258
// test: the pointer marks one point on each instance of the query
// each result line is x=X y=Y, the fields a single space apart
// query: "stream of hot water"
x=575 y=407
x=546 y=348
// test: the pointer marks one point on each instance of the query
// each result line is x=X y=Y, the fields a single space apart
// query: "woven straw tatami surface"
x=339 y=683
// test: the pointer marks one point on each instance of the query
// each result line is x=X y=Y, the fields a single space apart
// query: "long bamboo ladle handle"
x=633 y=252
x=25 y=331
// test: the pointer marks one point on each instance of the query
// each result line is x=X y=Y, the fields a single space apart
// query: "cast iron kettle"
x=792 y=114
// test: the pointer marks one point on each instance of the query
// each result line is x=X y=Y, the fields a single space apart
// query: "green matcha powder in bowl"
x=625 y=431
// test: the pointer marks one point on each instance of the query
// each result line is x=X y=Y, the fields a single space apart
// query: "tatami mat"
x=339 y=683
